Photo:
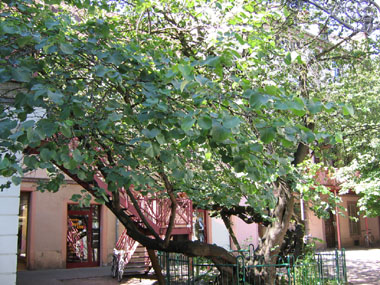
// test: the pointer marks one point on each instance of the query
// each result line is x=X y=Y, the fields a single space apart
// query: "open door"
x=83 y=236
x=330 y=231
x=23 y=224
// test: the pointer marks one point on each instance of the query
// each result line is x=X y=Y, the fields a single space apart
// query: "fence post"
x=290 y=271
x=320 y=266
x=189 y=268
x=251 y=249
x=167 y=257
x=344 y=265
x=337 y=264
x=240 y=269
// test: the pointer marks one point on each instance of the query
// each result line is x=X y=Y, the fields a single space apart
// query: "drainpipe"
x=302 y=208
x=116 y=231
x=337 y=223
x=366 y=226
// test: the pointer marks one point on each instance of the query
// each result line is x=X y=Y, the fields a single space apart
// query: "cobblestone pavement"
x=363 y=266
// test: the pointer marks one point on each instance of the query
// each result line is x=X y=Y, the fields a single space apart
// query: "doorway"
x=83 y=236
x=22 y=236
x=330 y=231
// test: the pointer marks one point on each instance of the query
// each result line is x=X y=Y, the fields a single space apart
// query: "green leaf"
x=240 y=166
x=272 y=90
x=115 y=117
x=299 y=113
x=314 y=106
x=256 y=147
x=100 y=70
x=31 y=161
x=153 y=150
x=160 y=138
x=45 y=154
x=75 y=197
x=256 y=100
x=348 y=110
x=115 y=58
x=207 y=165
x=268 y=135
x=66 y=48
x=56 y=97
x=211 y=61
x=297 y=107
x=4 y=163
x=288 y=59
x=22 y=41
x=187 y=123
x=16 y=180
x=231 y=122
x=339 y=137
x=150 y=134
x=220 y=134
x=286 y=143
x=77 y=156
x=66 y=131
x=205 y=122
x=21 y=74
x=183 y=85
x=178 y=174
x=185 y=70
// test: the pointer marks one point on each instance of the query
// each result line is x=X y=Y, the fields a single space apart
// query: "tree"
x=356 y=84
x=168 y=97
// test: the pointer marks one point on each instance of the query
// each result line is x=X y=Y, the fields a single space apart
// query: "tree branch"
x=173 y=206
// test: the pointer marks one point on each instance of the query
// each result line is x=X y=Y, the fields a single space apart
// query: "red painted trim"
x=88 y=212
x=337 y=224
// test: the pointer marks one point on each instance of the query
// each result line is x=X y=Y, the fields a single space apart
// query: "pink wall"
x=48 y=228
x=316 y=227
x=245 y=233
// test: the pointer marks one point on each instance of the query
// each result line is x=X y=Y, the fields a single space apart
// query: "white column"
x=9 y=208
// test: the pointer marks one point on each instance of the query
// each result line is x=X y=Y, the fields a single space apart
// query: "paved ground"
x=77 y=276
x=363 y=266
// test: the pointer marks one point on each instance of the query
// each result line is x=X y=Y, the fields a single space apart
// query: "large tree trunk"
x=275 y=232
x=216 y=254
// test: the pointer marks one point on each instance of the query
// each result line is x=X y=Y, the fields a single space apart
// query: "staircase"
x=139 y=262
x=157 y=212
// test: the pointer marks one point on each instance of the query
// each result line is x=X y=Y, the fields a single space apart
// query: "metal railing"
x=322 y=268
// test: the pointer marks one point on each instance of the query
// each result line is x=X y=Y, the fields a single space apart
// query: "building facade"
x=46 y=221
x=344 y=230
x=9 y=215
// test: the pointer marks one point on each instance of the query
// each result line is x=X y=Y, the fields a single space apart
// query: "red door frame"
x=89 y=238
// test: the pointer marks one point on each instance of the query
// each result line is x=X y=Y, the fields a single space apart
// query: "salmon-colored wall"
x=347 y=239
x=316 y=227
x=48 y=227
x=245 y=233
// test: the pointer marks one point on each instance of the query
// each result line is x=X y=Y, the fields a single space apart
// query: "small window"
x=354 y=219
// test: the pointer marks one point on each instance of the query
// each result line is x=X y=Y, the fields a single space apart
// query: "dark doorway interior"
x=22 y=241
x=330 y=231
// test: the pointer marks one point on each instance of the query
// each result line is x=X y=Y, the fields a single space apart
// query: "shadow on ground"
x=363 y=266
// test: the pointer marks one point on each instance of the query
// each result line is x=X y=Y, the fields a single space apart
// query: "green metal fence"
x=322 y=268
x=332 y=265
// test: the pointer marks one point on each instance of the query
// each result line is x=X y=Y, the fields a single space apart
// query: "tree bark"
x=275 y=233
x=227 y=223
x=156 y=266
